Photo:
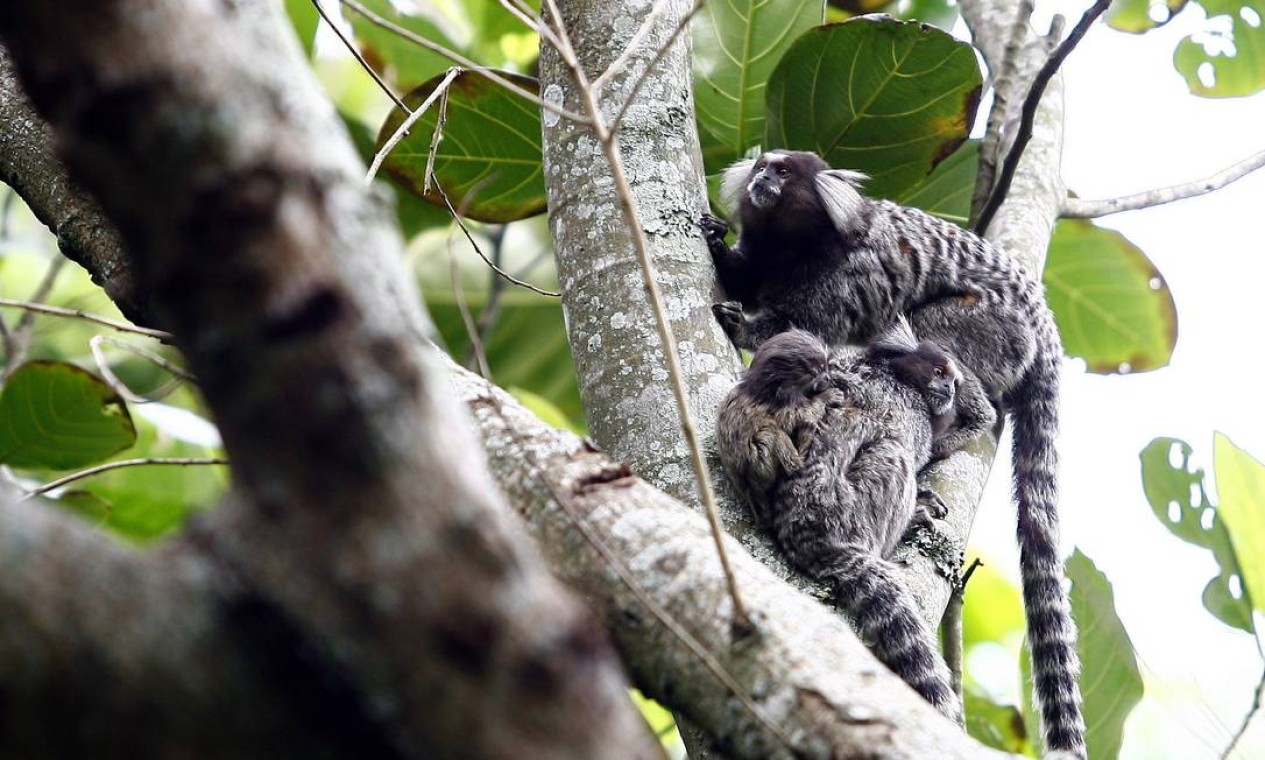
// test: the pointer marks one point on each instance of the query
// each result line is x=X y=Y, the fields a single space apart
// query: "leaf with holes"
x=947 y=191
x=1112 y=306
x=388 y=53
x=1241 y=489
x=1137 y=16
x=736 y=46
x=1178 y=498
x=56 y=416
x=1226 y=58
x=489 y=161
x=890 y=98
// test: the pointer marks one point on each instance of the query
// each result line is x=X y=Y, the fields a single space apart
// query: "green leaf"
x=1241 y=488
x=736 y=46
x=304 y=19
x=995 y=725
x=889 y=98
x=56 y=416
x=1179 y=500
x=407 y=62
x=1136 y=16
x=1111 y=684
x=413 y=214
x=1112 y=305
x=947 y=191
x=489 y=161
x=1221 y=63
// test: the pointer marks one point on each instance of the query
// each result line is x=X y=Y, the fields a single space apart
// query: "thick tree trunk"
x=366 y=553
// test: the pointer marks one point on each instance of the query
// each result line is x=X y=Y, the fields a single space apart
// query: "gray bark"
x=365 y=550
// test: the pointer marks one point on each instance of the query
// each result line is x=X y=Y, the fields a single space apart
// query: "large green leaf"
x=56 y=416
x=1226 y=58
x=947 y=191
x=406 y=61
x=1179 y=500
x=1112 y=306
x=1241 y=488
x=736 y=46
x=1111 y=684
x=1137 y=16
x=489 y=161
x=889 y=98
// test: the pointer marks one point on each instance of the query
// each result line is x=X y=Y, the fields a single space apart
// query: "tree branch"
x=365 y=537
x=1002 y=185
x=1078 y=208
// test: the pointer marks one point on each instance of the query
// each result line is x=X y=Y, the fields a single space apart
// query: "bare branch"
x=1003 y=87
x=1079 y=208
x=440 y=90
x=671 y=354
x=53 y=485
x=475 y=245
x=1030 y=103
x=18 y=340
x=351 y=48
x=1247 y=719
x=113 y=324
x=120 y=387
x=462 y=61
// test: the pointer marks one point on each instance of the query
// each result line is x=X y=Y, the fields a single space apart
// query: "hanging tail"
x=1051 y=632
x=888 y=621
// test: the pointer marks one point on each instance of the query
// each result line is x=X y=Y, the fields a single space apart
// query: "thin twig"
x=120 y=387
x=1003 y=84
x=1251 y=713
x=491 y=312
x=665 y=619
x=459 y=296
x=436 y=137
x=19 y=339
x=462 y=61
x=509 y=277
x=74 y=476
x=1077 y=208
x=58 y=311
x=1028 y=116
x=351 y=47
x=409 y=121
x=623 y=193
x=658 y=56
x=951 y=629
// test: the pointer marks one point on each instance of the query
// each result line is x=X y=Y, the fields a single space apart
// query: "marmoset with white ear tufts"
x=816 y=254
x=827 y=452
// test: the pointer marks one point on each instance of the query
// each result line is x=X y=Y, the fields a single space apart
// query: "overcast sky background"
x=1132 y=126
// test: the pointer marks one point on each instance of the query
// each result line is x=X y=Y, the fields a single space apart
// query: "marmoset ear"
x=898 y=338
x=840 y=194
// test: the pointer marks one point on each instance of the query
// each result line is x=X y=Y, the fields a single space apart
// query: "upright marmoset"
x=815 y=253
x=828 y=452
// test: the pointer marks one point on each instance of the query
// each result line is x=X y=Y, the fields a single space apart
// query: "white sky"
x=1132 y=126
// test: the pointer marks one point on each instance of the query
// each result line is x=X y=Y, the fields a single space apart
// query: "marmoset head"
x=789 y=367
x=923 y=365
x=798 y=186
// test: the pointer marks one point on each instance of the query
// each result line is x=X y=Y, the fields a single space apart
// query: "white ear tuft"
x=899 y=337
x=733 y=181
x=839 y=190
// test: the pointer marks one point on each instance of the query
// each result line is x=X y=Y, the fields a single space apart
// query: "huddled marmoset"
x=816 y=254
x=828 y=452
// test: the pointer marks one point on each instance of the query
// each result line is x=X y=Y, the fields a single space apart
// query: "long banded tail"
x=1051 y=632
x=888 y=622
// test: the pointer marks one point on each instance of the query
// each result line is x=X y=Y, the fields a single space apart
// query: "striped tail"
x=1051 y=633
x=888 y=622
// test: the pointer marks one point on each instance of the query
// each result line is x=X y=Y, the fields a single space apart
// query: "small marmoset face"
x=774 y=172
x=790 y=364
x=931 y=370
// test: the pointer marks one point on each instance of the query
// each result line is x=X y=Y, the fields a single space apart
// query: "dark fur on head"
x=921 y=364
x=788 y=368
